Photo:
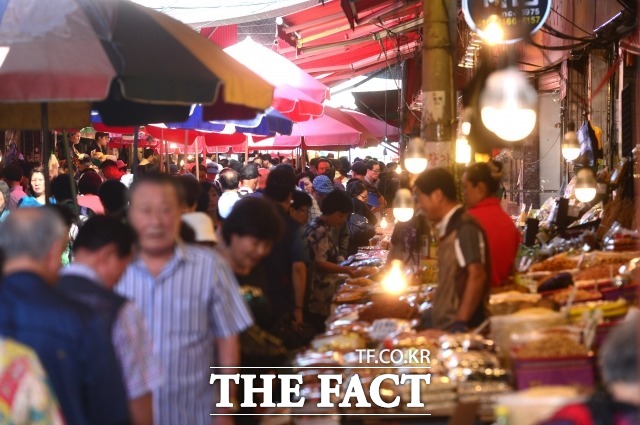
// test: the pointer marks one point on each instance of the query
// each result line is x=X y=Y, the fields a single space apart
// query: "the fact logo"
x=360 y=386
x=330 y=387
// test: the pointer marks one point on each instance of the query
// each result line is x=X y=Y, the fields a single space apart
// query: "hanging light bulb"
x=585 y=189
x=463 y=150
x=570 y=146
x=508 y=105
x=414 y=160
x=383 y=223
x=181 y=163
x=395 y=282
x=465 y=127
x=399 y=169
x=493 y=33
x=403 y=205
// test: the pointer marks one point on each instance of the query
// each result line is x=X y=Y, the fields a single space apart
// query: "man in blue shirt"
x=68 y=337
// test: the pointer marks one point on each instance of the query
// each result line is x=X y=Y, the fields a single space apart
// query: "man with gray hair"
x=68 y=337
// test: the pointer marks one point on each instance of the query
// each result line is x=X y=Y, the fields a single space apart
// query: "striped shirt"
x=194 y=299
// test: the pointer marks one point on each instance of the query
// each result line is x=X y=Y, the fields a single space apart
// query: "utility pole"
x=438 y=100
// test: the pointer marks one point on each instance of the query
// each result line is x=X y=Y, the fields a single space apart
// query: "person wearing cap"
x=202 y=226
x=248 y=179
x=212 y=171
x=322 y=186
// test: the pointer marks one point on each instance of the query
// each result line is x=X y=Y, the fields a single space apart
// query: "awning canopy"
x=337 y=40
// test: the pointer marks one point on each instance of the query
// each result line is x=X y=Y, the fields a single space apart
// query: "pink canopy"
x=298 y=95
x=373 y=130
x=323 y=132
x=179 y=136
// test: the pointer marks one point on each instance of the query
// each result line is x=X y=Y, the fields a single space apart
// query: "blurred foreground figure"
x=102 y=251
x=30 y=401
x=190 y=300
x=68 y=337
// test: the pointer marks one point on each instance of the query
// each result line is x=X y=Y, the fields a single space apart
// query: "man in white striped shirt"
x=190 y=300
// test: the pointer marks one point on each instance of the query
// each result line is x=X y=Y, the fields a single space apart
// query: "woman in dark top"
x=359 y=233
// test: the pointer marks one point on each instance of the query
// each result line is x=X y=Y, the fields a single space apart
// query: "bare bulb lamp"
x=508 y=105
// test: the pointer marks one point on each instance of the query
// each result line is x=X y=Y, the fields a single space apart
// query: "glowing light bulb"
x=508 y=105
x=415 y=161
x=383 y=223
x=585 y=189
x=493 y=33
x=403 y=205
x=399 y=169
x=181 y=162
x=463 y=151
x=395 y=282
x=570 y=146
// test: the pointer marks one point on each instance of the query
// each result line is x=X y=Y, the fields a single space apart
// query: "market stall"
x=536 y=352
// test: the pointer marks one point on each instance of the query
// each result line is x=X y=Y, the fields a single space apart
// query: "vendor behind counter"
x=461 y=298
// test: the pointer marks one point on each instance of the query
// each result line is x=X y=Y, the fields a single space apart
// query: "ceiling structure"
x=337 y=40
x=206 y=13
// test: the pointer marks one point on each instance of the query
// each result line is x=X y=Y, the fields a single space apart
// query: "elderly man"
x=190 y=300
x=464 y=270
x=68 y=337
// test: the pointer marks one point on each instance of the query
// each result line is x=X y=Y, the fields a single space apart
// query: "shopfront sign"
x=519 y=18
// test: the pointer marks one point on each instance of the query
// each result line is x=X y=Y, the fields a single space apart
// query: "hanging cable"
x=570 y=22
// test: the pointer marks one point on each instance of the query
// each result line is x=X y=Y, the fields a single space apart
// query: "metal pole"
x=248 y=139
x=136 y=139
x=197 y=164
x=437 y=74
x=166 y=154
x=46 y=148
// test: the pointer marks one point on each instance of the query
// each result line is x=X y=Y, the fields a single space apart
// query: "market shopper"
x=4 y=200
x=336 y=209
x=37 y=193
x=461 y=298
x=12 y=175
x=102 y=250
x=68 y=337
x=364 y=220
x=286 y=264
x=190 y=300
x=301 y=203
x=229 y=180
x=480 y=188
x=360 y=171
x=248 y=180
x=88 y=188
x=248 y=235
